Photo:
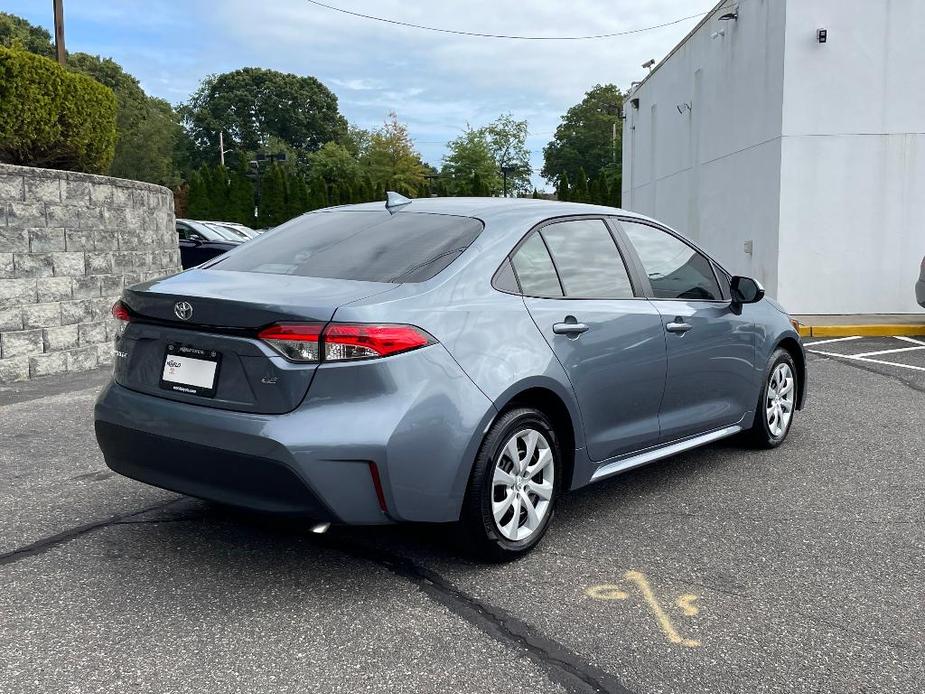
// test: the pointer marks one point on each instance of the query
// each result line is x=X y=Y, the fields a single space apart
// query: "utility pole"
x=59 y=30
x=614 y=141
x=221 y=147
x=505 y=170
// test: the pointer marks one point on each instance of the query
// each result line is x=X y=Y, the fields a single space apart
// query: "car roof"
x=487 y=208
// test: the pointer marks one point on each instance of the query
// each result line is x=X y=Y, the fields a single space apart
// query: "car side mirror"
x=745 y=290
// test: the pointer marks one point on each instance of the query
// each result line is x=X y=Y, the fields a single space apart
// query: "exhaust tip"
x=320 y=528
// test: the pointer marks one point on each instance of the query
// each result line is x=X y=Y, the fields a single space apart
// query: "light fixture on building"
x=716 y=34
x=684 y=107
x=822 y=35
x=734 y=16
x=649 y=63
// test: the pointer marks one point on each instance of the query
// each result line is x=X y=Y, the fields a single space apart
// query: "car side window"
x=183 y=231
x=586 y=256
x=675 y=270
x=535 y=271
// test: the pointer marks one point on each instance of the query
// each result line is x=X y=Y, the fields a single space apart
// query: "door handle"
x=678 y=326
x=571 y=329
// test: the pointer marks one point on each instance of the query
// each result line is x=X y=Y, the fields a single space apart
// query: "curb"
x=864 y=330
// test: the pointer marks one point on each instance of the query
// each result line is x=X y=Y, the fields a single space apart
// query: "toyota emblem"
x=183 y=310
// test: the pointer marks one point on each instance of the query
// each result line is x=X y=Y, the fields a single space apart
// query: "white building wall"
x=713 y=172
x=852 y=217
x=814 y=152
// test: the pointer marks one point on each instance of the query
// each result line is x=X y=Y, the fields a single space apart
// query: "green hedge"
x=52 y=117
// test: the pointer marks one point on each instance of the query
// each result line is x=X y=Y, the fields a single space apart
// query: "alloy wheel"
x=522 y=484
x=779 y=400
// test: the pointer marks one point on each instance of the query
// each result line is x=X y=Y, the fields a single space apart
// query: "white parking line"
x=866 y=359
x=834 y=339
x=890 y=351
x=904 y=338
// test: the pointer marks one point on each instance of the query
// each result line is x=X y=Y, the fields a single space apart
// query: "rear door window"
x=586 y=256
x=675 y=269
x=535 y=271
x=371 y=246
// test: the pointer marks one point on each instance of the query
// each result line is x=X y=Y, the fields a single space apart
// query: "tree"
x=334 y=163
x=585 y=138
x=356 y=141
x=562 y=189
x=148 y=128
x=252 y=104
x=391 y=160
x=272 y=206
x=197 y=199
x=469 y=160
x=507 y=141
x=578 y=192
x=53 y=117
x=16 y=32
x=297 y=199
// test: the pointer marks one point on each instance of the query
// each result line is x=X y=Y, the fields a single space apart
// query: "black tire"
x=760 y=434
x=479 y=532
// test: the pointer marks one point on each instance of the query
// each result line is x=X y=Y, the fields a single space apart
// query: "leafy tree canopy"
x=584 y=140
x=16 y=32
x=252 y=104
x=391 y=160
x=53 y=117
x=148 y=128
x=470 y=164
x=333 y=163
x=507 y=141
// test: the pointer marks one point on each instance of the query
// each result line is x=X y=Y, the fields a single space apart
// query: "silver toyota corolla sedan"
x=442 y=360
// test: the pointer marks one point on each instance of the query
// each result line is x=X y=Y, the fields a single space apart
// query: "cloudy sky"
x=436 y=82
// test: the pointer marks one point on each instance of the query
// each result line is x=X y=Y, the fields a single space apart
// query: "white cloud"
x=439 y=82
x=436 y=82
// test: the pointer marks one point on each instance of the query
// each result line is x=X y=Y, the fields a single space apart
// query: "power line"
x=478 y=34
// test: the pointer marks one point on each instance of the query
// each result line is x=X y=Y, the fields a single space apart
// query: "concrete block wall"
x=69 y=243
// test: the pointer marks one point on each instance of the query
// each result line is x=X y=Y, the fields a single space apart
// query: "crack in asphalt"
x=563 y=666
x=53 y=541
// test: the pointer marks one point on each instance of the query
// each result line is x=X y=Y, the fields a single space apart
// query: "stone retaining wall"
x=69 y=243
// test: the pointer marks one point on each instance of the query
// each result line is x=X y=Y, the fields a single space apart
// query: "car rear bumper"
x=415 y=417
x=206 y=472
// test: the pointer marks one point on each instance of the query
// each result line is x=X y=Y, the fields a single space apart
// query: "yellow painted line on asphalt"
x=685 y=602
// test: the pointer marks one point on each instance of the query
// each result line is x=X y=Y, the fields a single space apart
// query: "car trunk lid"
x=192 y=337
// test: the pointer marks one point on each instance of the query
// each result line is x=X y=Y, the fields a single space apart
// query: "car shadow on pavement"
x=223 y=527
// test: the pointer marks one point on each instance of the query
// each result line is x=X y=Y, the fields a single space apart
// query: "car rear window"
x=371 y=246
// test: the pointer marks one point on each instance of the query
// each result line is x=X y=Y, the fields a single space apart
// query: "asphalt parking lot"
x=720 y=570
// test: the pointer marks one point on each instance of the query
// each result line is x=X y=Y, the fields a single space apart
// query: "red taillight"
x=120 y=312
x=343 y=341
x=361 y=341
x=297 y=342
